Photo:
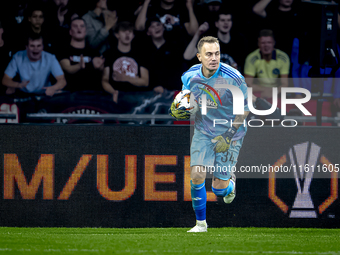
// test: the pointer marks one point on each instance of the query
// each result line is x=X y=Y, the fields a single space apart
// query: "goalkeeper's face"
x=210 y=56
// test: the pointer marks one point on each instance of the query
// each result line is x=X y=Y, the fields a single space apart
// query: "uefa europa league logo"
x=303 y=206
x=305 y=159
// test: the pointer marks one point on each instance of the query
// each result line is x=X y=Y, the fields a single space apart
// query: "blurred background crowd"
x=130 y=51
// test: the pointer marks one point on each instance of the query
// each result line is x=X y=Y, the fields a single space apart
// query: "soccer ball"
x=185 y=102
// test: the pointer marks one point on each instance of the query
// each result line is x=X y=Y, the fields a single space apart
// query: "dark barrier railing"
x=90 y=106
x=137 y=117
x=7 y=116
x=138 y=176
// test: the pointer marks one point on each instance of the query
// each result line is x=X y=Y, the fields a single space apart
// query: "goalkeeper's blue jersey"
x=219 y=101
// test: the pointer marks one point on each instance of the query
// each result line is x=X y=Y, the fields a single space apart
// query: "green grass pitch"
x=169 y=241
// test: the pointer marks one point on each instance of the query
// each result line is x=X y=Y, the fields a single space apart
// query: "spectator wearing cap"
x=164 y=58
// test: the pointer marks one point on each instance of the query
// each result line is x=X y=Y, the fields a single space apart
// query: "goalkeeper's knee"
x=223 y=192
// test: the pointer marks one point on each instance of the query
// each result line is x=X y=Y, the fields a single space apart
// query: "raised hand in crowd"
x=141 y=18
x=99 y=22
x=260 y=7
x=81 y=64
x=191 y=50
x=203 y=28
x=192 y=25
x=62 y=10
x=190 y=3
x=110 y=19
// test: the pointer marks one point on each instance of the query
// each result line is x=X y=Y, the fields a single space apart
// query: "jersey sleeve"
x=238 y=81
x=12 y=68
x=185 y=81
x=244 y=89
x=285 y=65
x=186 y=77
x=241 y=83
x=249 y=67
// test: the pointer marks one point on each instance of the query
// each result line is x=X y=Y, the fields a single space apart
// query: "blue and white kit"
x=219 y=107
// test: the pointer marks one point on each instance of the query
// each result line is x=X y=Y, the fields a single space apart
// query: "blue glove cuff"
x=230 y=132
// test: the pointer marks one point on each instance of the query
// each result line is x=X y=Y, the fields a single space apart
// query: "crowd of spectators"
x=118 y=47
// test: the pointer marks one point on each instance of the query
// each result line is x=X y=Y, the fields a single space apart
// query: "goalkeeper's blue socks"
x=224 y=192
x=199 y=200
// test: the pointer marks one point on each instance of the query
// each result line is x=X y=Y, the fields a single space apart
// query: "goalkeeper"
x=214 y=146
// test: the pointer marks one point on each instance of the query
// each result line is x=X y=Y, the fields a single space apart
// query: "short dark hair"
x=223 y=12
x=33 y=36
x=150 y=20
x=266 y=32
x=111 y=4
x=124 y=26
x=35 y=7
x=77 y=18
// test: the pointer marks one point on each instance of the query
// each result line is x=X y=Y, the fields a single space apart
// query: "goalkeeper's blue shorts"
x=220 y=165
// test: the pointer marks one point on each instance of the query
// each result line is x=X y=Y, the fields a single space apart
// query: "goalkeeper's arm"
x=223 y=141
x=179 y=113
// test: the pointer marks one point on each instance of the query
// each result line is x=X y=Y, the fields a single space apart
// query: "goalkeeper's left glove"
x=223 y=141
x=178 y=113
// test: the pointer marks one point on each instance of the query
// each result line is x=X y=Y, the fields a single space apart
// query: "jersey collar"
x=273 y=54
x=215 y=74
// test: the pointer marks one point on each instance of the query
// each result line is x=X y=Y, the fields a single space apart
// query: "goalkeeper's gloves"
x=178 y=113
x=223 y=141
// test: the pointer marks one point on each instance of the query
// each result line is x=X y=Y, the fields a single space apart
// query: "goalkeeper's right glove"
x=223 y=141
x=179 y=113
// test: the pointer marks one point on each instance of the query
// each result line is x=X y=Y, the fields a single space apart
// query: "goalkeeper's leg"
x=225 y=188
x=201 y=154
x=224 y=181
x=199 y=198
